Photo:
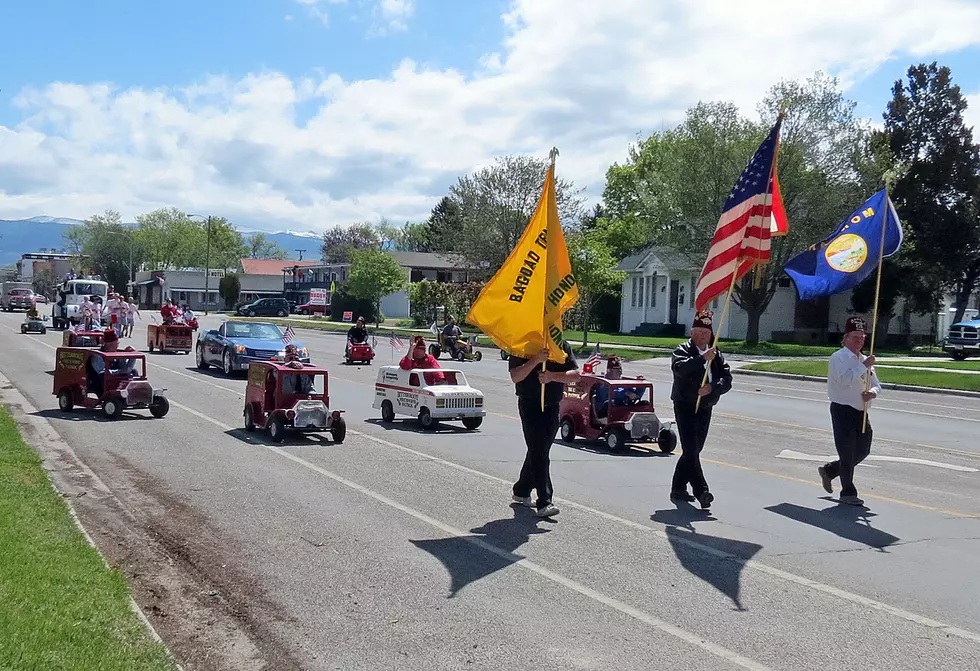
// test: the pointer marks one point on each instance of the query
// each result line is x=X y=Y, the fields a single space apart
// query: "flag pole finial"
x=553 y=154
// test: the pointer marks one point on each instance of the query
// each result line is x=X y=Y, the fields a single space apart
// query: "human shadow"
x=849 y=522
x=488 y=549
x=713 y=559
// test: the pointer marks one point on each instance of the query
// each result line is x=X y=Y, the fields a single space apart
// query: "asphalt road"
x=399 y=550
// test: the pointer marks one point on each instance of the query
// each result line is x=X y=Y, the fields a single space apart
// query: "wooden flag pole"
x=544 y=336
x=714 y=343
x=874 y=317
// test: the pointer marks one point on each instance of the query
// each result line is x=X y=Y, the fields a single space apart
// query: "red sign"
x=348 y=316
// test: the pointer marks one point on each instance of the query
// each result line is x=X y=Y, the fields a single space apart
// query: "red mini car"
x=618 y=411
x=83 y=338
x=170 y=338
x=359 y=352
x=116 y=381
x=281 y=398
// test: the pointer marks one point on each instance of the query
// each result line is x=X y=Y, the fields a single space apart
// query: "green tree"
x=594 y=267
x=105 y=243
x=937 y=191
x=415 y=237
x=339 y=242
x=373 y=275
x=444 y=224
x=230 y=288
x=44 y=282
x=258 y=246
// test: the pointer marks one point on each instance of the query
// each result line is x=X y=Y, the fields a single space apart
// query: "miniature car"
x=464 y=349
x=34 y=325
x=71 y=338
x=170 y=338
x=281 y=398
x=114 y=381
x=359 y=352
x=431 y=395
x=235 y=344
x=618 y=411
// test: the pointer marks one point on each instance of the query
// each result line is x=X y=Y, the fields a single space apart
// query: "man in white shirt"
x=850 y=392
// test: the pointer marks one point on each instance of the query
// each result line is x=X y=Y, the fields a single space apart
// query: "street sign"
x=348 y=316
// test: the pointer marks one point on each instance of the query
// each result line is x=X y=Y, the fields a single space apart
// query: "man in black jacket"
x=688 y=364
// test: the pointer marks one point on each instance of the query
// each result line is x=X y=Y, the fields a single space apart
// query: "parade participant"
x=417 y=357
x=451 y=335
x=847 y=378
x=539 y=425
x=188 y=315
x=614 y=368
x=132 y=311
x=169 y=312
x=296 y=384
x=688 y=365
x=88 y=312
x=356 y=335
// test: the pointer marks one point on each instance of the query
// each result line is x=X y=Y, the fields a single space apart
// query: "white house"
x=658 y=297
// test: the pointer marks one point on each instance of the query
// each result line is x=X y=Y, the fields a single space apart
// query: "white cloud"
x=318 y=9
x=586 y=77
x=392 y=15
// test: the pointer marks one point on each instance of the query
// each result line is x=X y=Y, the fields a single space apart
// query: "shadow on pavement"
x=469 y=558
x=412 y=426
x=595 y=447
x=292 y=439
x=722 y=573
x=849 y=522
x=80 y=414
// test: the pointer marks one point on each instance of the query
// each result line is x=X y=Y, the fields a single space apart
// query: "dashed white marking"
x=802 y=456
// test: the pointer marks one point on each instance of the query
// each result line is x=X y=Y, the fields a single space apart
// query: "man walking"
x=688 y=364
x=847 y=379
x=540 y=425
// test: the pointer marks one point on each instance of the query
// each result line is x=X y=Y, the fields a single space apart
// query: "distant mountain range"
x=24 y=236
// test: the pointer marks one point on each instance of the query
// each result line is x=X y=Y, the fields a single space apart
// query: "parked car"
x=265 y=307
x=234 y=344
x=963 y=339
x=313 y=309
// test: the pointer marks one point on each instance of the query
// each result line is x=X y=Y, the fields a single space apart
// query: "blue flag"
x=851 y=253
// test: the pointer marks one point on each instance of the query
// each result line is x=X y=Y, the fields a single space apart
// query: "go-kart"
x=617 y=411
x=120 y=385
x=359 y=352
x=82 y=338
x=34 y=324
x=281 y=398
x=170 y=338
x=464 y=349
x=430 y=395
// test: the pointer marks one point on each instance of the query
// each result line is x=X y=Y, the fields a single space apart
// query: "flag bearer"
x=847 y=378
x=688 y=365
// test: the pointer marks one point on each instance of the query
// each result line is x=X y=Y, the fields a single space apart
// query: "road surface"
x=399 y=549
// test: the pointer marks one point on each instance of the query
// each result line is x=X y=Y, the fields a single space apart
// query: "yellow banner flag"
x=521 y=308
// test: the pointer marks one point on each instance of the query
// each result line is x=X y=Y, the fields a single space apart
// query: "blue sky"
x=304 y=114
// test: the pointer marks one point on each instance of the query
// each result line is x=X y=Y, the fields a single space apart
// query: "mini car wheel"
x=65 y=402
x=666 y=440
x=387 y=412
x=461 y=356
x=151 y=348
x=504 y=355
x=226 y=364
x=112 y=409
x=201 y=363
x=472 y=423
x=427 y=420
x=338 y=430
x=616 y=440
x=159 y=407
x=277 y=429
x=567 y=430
x=249 y=420
x=435 y=351
x=23 y=330
x=478 y=356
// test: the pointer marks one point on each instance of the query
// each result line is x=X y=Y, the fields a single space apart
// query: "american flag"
x=396 y=342
x=595 y=358
x=743 y=238
x=288 y=334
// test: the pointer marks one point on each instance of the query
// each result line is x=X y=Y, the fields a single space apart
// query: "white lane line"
x=718 y=554
x=557 y=578
x=802 y=456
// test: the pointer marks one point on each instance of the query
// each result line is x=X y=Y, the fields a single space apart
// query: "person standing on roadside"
x=688 y=364
x=847 y=378
x=539 y=425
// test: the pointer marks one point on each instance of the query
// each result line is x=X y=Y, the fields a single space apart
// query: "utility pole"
x=300 y=253
x=207 y=267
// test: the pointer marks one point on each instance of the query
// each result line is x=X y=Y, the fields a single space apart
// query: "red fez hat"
x=855 y=324
x=704 y=320
x=110 y=335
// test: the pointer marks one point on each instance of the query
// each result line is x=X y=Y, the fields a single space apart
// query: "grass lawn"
x=920 y=378
x=949 y=363
x=61 y=607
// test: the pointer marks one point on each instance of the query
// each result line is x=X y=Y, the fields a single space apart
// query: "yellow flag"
x=521 y=308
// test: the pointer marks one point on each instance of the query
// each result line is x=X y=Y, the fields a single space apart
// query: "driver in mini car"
x=419 y=358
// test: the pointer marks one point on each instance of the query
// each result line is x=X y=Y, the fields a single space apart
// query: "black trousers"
x=539 y=433
x=853 y=447
x=692 y=428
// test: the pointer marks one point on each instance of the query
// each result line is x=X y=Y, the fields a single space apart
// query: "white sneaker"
x=549 y=510
x=523 y=500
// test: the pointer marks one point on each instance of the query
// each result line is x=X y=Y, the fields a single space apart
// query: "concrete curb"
x=11 y=396
x=884 y=385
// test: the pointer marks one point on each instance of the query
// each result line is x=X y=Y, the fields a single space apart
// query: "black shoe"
x=705 y=500
x=682 y=496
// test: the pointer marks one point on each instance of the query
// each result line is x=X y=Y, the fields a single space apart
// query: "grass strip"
x=918 y=378
x=62 y=608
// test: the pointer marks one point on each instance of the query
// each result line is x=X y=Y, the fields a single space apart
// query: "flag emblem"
x=396 y=342
x=288 y=334
x=595 y=358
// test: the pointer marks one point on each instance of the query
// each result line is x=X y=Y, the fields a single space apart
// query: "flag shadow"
x=489 y=549
x=724 y=574
x=849 y=522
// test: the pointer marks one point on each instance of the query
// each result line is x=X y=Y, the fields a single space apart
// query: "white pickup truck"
x=430 y=395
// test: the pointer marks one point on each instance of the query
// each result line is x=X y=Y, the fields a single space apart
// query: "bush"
x=455 y=298
x=361 y=307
